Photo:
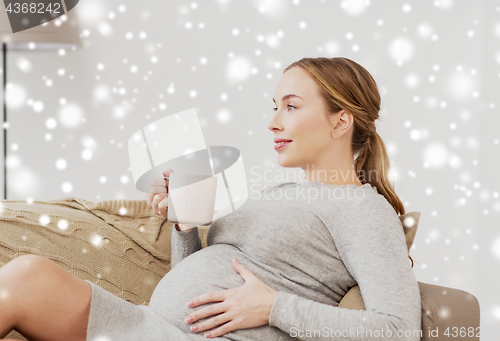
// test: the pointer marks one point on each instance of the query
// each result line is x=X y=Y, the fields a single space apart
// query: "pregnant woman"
x=299 y=246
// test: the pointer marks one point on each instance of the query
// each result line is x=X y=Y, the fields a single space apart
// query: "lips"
x=282 y=145
x=277 y=140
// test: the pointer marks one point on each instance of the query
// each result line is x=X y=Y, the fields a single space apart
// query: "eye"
x=289 y=105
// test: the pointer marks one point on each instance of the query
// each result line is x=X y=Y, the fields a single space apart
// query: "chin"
x=283 y=162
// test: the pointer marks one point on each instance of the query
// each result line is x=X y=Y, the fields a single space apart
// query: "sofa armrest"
x=444 y=310
x=202 y=231
x=448 y=310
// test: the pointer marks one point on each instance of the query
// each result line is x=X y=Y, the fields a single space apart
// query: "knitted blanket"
x=119 y=244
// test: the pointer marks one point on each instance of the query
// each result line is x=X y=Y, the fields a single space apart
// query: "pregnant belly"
x=206 y=270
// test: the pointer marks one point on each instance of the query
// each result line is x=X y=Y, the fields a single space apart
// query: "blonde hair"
x=346 y=85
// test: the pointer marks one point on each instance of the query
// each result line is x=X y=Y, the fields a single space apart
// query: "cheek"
x=310 y=135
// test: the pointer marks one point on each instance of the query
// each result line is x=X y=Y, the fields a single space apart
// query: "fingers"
x=212 y=322
x=213 y=296
x=157 y=182
x=157 y=189
x=166 y=174
x=159 y=204
x=160 y=181
x=163 y=206
x=224 y=329
x=156 y=186
x=209 y=310
x=152 y=191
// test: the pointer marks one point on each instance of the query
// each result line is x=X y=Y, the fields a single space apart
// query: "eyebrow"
x=287 y=97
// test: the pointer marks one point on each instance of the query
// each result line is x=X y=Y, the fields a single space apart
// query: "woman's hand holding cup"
x=158 y=198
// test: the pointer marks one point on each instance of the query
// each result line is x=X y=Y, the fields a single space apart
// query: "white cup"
x=191 y=198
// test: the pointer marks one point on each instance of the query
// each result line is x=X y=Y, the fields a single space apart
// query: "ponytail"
x=373 y=159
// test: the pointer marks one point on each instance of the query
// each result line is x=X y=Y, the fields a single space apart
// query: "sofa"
x=124 y=248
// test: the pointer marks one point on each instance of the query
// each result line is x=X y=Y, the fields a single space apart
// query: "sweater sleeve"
x=184 y=243
x=372 y=246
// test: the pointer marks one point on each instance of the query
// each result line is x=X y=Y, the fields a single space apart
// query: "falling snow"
x=71 y=113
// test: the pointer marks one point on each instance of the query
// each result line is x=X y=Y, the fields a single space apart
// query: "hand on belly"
x=247 y=306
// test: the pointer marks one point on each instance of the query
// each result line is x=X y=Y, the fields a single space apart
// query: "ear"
x=341 y=122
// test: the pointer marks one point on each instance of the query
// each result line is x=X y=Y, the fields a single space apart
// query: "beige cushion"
x=442 y=308
x=410 y=225
x=352 y=300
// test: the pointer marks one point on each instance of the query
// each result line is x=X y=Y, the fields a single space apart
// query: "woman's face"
x=301 y=119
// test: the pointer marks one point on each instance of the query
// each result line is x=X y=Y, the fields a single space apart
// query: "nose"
x=274 y=124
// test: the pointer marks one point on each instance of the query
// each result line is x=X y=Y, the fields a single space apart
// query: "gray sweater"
x=311 y=242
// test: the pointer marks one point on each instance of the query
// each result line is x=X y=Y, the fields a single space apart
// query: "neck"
x=332 y=176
